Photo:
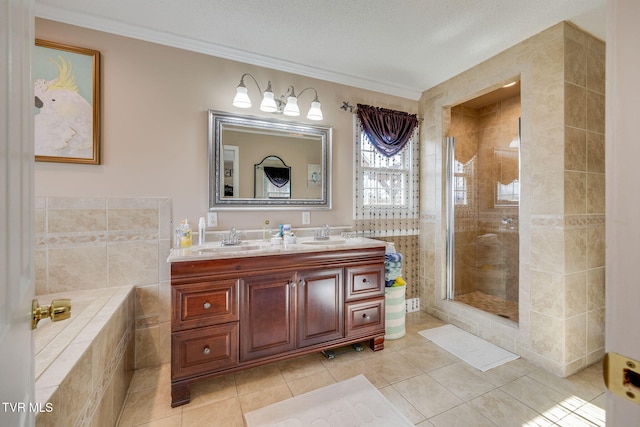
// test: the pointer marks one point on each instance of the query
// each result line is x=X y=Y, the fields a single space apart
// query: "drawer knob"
x=206 y=351
x=365 y=316
x=366 y=281
x=207 y=305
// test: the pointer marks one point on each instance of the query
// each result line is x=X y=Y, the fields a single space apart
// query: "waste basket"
x=394 y=312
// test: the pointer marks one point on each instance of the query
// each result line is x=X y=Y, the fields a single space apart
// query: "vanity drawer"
x=204 y=350
x=364 y=282
x=206 y=303
x=364 y=317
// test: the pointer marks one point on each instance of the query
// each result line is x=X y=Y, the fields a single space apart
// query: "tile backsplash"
x=95 y=242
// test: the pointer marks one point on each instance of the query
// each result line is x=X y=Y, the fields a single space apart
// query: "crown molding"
x=173 y=40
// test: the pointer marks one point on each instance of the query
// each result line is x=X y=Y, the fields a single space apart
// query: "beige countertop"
x=252 y=248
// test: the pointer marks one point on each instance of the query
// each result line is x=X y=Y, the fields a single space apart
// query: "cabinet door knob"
x=302 y=282
x=293 y=284
x=207 y=305
x=206 y=350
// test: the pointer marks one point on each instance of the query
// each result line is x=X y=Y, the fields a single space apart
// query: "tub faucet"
x=323 y=233
x=233 y=238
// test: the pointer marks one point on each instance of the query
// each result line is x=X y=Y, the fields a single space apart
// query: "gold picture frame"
x=67 y=103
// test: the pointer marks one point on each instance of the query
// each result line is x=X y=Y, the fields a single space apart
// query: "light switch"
x=306 y=218
x=212 y=219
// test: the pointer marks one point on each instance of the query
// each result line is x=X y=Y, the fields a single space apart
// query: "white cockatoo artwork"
x=63 y=120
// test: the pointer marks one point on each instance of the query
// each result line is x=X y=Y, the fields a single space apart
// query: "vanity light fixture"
x=271 y=104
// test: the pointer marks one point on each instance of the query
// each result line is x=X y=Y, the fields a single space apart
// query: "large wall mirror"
x=238 y=144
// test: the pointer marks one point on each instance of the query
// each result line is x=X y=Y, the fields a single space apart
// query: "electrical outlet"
x=306 y=218
x=412 y=304
x=212 y=219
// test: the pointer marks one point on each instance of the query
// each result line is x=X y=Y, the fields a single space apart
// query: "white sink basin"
x=236 y=248
x=325 y=242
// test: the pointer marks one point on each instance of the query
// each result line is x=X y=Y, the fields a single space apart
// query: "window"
x=385 y=183
x=462 y=182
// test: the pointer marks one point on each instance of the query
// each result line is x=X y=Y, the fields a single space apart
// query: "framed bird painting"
x=66 y=104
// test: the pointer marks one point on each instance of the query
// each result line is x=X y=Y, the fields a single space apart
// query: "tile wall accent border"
x=95 y=398
x=550 y=221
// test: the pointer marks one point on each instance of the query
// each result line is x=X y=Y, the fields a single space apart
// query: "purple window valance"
x=388 y=130
x=278 y=176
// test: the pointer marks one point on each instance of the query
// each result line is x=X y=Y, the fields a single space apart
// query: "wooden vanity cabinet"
x=235 y=313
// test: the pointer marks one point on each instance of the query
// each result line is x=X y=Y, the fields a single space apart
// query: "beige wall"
x=154 y=127
x=562 y=198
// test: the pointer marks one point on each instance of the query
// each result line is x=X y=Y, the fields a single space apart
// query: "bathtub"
x=83 y=365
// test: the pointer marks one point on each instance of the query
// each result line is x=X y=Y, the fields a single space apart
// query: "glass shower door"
x=482 y=246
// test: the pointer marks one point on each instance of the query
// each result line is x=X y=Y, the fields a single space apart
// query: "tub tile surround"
x=101 y=245
x=83 y=365
x=561 y=301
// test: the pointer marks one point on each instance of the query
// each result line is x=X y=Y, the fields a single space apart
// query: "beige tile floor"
x=429 y=385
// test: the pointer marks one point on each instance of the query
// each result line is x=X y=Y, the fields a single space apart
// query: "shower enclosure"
x=483 y=194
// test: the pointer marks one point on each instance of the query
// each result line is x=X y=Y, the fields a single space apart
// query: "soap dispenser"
x=185 y=237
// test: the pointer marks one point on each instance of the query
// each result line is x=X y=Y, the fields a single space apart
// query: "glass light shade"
x=241 y=100
x=268 y=104
x=291 y=109
x=315 y=113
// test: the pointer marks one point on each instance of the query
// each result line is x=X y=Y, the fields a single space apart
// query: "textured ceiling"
x=398 y=47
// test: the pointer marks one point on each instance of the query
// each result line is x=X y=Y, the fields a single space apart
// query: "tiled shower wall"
x=562 y=232
x=89 y=243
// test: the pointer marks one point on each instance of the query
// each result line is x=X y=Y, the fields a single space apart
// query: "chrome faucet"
x=233 y=238
x=323 y=233
x=509 y=223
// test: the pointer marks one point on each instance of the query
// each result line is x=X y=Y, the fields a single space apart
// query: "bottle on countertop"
x=266 y=231
x=185 y=236
x=202 y=226
x=177 y=232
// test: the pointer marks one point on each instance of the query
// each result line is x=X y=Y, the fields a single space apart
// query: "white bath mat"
x=353 y=402
x=475 y=351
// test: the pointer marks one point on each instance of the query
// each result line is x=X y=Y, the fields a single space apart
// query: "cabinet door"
x=320 y=306
x=365 y=281
x=267 y=318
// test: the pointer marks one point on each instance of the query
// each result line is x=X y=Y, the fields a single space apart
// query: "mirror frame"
x=217 y=121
